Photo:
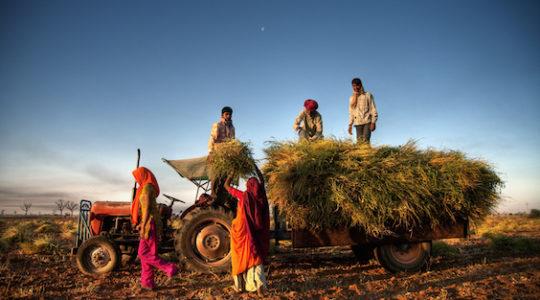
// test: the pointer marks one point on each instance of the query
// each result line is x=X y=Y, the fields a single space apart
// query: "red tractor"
x=201 y=242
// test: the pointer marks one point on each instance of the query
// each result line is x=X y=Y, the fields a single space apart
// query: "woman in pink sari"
x=149 y=227
x=250 y=235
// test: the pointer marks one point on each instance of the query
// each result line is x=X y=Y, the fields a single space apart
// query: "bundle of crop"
x=332 y=183
x=232 y=156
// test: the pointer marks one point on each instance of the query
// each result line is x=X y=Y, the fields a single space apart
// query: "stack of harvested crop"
x=232 y=156
x=332 y=183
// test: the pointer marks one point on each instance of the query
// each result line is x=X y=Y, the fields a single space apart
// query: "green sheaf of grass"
x=232 y=156
x=331 y=183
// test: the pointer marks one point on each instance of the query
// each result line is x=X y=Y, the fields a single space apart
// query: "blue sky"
x=83 y=84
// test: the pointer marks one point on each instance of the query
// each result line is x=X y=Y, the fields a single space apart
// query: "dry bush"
x=48 y=244
x=4 y=245
x=27 y=248
x=534 y=214
x=19 y=233
x=508 y=224
x=39 y=236
x=442 y=249
x=47 y=227
x=504 y=243
x=331 y=183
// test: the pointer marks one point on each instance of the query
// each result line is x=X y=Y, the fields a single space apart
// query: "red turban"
x=311 y=105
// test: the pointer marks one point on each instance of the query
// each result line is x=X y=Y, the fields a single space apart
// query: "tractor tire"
x=98 y=255
x=362 y=252
x=408 y=257
x=202 y=242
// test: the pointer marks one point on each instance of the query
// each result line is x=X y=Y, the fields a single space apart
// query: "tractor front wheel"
x=202 y=242
x=98 y=255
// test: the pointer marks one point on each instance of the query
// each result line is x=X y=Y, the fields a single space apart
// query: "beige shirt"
x=221 y=132
x=312 y=125
x=364 y=112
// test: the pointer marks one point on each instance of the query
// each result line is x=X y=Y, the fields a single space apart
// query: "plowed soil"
x=322 y=273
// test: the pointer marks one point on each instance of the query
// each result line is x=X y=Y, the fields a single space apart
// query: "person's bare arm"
x=227 y=183
x=145 y=198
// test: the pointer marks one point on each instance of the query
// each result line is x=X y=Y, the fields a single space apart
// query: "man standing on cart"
x=222 y=131
x=362 y=112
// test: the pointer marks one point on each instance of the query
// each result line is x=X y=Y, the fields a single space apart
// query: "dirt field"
x=477 y=268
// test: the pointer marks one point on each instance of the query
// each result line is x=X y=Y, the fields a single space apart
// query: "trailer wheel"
x=409 y=257
x=362 y=252
x=202 y=242
x=98 y=255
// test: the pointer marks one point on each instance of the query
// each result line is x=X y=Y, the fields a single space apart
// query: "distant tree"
x=61 y=205
x=26 y=207
x=3 y=211
x=71 y=205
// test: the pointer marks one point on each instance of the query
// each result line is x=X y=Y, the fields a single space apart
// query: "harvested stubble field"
x=500 y=261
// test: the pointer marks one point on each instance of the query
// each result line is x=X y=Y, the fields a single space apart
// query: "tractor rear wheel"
x=98 y=255
x=202 y=242
x=409 y=257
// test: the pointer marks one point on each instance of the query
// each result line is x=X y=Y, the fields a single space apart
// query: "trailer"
x=403 y=251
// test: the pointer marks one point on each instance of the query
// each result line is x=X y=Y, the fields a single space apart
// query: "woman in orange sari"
x=149 y=227
x=250 y=235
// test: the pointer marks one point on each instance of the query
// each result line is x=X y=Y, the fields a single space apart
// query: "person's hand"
x=141 y=231
x=229 y=178
x=350 y=129
x=372 y=126
x=227 y=184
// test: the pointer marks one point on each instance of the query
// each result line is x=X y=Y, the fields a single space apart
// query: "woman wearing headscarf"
x=309 y=122
x=144 y=205
x=250 y=235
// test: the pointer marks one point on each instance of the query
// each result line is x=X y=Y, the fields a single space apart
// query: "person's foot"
x=173 y=279
x=260 y=292
x=235 y=289
x=143 y=289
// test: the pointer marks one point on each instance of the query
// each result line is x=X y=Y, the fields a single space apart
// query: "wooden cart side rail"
x=305 y=238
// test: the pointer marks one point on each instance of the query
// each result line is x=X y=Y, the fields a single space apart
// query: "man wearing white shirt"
x=362 y=112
